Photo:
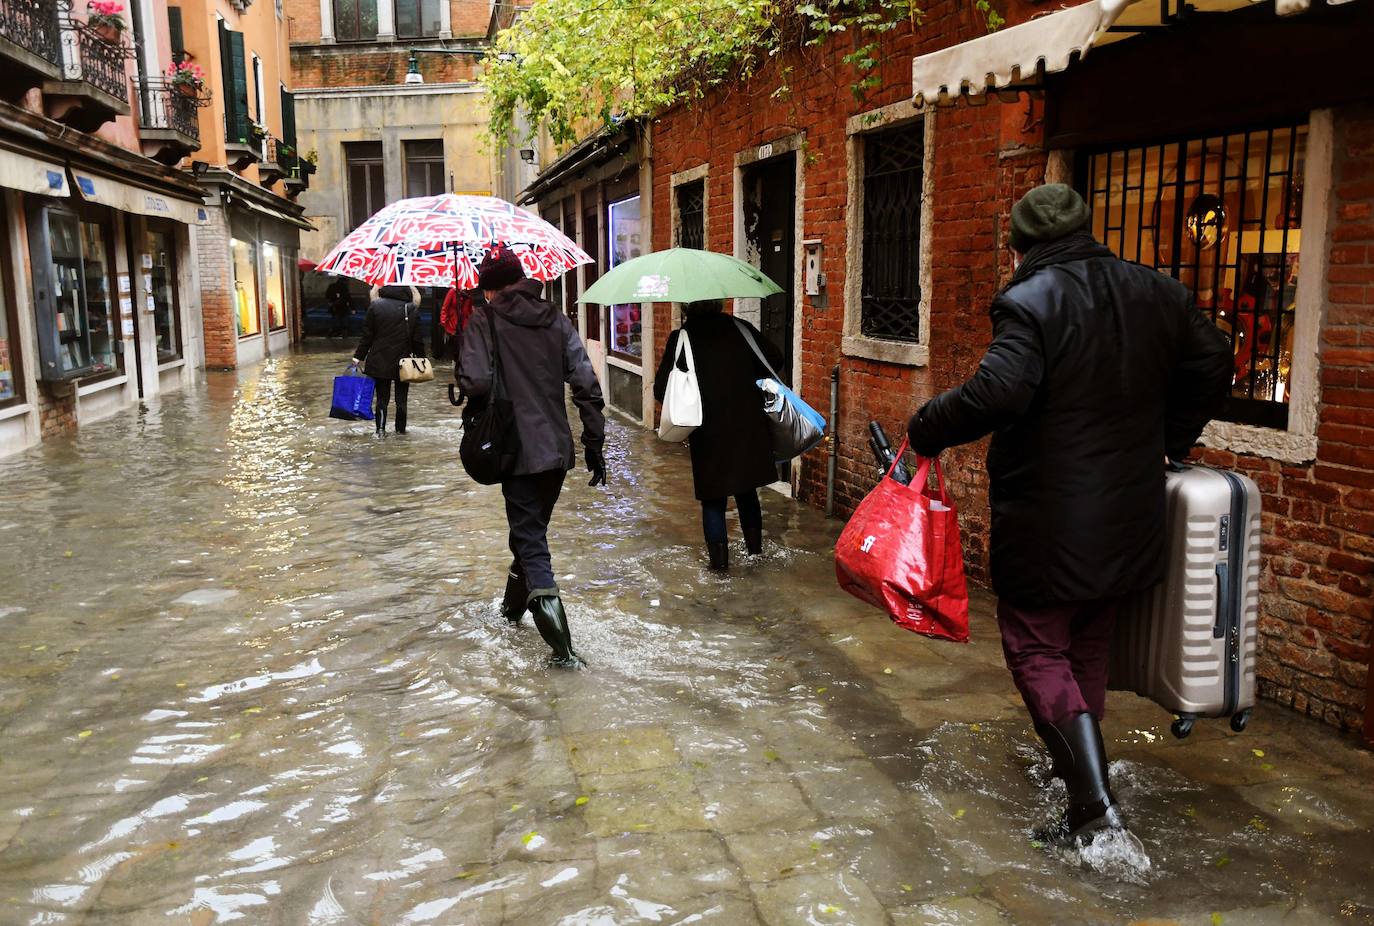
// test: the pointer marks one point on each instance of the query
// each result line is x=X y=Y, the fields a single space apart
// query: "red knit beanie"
x=499 y=268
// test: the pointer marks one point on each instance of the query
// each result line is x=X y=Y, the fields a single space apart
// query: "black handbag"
x=490 y=445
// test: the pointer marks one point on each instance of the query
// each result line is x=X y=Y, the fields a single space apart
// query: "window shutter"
x=288 y=117
x=175 y=34
x=235 y=86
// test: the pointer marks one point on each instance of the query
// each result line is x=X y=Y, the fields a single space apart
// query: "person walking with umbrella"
x=539 y=353
x=732 y=448
x=732 y=453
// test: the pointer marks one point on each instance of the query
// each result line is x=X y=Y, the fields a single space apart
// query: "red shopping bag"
x=901 y=552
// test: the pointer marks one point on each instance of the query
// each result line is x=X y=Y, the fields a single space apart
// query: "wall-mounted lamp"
x=413 y=75
x=198 y=168
x=527 y=155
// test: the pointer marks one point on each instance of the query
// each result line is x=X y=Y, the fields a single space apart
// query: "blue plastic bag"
x=795 y=426
x=353 y=394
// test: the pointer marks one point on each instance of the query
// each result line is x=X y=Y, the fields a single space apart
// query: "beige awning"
x=1010 y=56
x=1048 y=44
x=116 y=194
x=31 y=175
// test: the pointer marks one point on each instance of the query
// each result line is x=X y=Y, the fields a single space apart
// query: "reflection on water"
x=253 y=672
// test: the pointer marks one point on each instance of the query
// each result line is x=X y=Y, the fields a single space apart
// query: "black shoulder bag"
x=490 y=445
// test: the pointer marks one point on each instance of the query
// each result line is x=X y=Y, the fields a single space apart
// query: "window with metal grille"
x=366 y=186
x=890 y=296
x=424 y=168
x=1221 y=214
x=691 y=214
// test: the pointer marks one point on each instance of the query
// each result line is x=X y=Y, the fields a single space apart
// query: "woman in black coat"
x=732 y=453
x=391 y=330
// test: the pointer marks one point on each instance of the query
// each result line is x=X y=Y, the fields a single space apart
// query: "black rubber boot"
x=719 y=555
x=381 y=421
x=552 y=622
x=1060 y=760
x=753 y=540
x=513 y=603
x=1076 y=745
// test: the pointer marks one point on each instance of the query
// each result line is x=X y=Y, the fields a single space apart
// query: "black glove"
x=596 y=465
x=924 y=444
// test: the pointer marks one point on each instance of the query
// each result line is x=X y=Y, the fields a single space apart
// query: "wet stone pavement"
x=252 y=671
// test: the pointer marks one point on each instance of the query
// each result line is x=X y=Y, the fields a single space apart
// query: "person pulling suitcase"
x=1097 y=370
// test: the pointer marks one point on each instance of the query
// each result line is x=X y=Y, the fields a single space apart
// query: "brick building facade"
x=1302 y=413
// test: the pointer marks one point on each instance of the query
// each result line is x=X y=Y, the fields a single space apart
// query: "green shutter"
x=174 y=33
x=232 y=64
x=288 y=117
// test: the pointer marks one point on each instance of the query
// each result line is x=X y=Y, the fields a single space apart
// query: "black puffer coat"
x=731 y=451
x=391 y=330
x=540 y=352
x=1097 y=369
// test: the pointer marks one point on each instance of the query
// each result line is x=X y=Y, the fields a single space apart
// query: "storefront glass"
x=1222 y=215
x=245 y=256
x=89 y=340
x=626 y=243
x=276 y=286
x=9 y=346
x=159 y=281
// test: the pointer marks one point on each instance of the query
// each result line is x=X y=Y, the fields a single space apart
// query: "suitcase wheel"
x=1181 y=727
x=1240 y=720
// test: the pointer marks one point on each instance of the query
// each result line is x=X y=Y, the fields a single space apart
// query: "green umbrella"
x=679 y=275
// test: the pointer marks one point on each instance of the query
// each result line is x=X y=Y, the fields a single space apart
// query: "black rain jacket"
x=1098 y=368
x=391 y=330
x=540 y=352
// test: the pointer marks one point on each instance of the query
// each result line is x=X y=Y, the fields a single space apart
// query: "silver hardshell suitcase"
x=1188 y=644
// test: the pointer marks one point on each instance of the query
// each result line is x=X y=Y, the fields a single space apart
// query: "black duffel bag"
x=490 y=445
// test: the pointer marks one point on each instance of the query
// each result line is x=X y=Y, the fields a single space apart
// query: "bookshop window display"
x=89 y=342
x=245 y=257
x=1223 y=215
x=159 y=281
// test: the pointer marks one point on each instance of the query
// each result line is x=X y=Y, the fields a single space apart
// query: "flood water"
x=252 y=671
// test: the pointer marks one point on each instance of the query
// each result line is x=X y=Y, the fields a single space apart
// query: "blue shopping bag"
x=353 y=394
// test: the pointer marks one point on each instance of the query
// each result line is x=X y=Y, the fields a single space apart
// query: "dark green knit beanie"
x=1046 y=213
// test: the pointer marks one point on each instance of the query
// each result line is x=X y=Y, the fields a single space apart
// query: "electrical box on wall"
x=813 y=276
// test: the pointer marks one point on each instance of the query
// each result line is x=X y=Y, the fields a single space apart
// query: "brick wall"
x=373 y=65
x=217 y=292
x=56 y=413
x=970 y=202
x=1319 y=518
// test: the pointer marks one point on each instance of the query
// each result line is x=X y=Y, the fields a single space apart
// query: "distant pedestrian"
x=340 y=307
x=1097 y=369
x=540 y=353
x=391 y=330
x=732 y=454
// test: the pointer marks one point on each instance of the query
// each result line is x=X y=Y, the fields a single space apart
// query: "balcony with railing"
x=168 y=119
x=298 y=171
x=276 y=157
x=93 y=87
x=242 y=142
x=29 y=45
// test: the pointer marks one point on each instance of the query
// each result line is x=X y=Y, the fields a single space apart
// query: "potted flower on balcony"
x=106 y=19
x=257 y=130
x=186 y=78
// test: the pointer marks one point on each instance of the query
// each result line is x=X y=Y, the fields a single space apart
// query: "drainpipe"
x=834 y=441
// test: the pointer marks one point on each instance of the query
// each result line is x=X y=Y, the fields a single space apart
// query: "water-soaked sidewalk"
x=252 y=671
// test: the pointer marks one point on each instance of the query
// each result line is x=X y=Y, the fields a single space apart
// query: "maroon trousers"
x=1058 y=655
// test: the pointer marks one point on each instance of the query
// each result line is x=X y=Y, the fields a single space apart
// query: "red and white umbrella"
x=440 y=240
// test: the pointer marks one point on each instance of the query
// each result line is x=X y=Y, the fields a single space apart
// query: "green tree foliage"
x=568 y=63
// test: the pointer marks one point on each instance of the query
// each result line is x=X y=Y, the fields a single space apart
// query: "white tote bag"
x=682 y=399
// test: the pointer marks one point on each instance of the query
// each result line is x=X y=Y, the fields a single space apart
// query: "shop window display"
x=626 y=243
x=246 y=320
x=159 y=281
x=88 y=337
x=1222 y=215
x=276 y=292
x=9 y=366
